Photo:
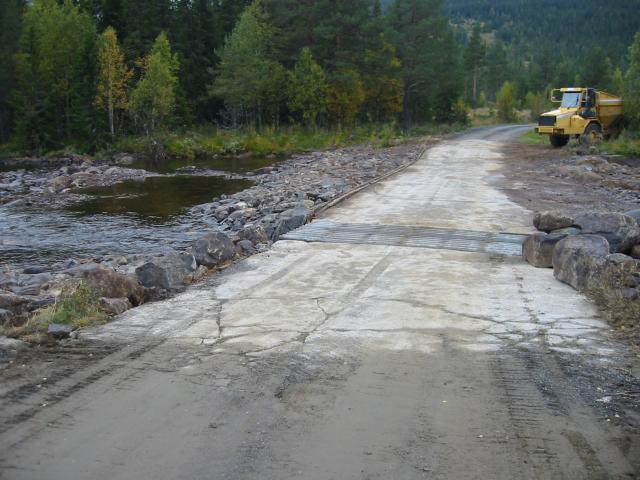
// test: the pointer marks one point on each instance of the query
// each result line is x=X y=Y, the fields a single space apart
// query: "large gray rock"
x=577 y=258
x=255 y=234
x=635 y=214
x=549 y=221
x=170 y=271
x=617 y=276
x=621 y=231
x=213 y=249
x=14 y=303
x=538 y=249
x=290 y=220
x=115 y=306
x=111 y=284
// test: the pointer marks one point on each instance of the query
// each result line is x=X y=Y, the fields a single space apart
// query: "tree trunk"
x=111 y=123
x=406 y=107
x=475 y=85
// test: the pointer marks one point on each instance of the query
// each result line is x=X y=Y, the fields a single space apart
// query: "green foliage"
x=10 y=26
x=382 y=82
x=113 y=77
x=474 y=58
x=506 y=102
x=77 y=306
x=628 y=144
x=248 y=79
x=533 y=138
x=536 y=102
x=430 y=59
x=154 y=98
x=307 y=88
x=632 y=86
x=460 y=112
x=345 y=97
x=55 y=75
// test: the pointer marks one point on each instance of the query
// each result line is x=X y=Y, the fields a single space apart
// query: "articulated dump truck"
x=583 y=112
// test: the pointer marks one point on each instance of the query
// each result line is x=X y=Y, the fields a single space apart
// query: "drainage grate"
x=419 y=237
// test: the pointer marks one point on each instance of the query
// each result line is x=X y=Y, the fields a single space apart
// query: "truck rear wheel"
x=592 y=134
x=559 y=140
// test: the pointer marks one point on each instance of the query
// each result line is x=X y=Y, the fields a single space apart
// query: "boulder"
x=213 y=249
x=621 y=231
x=617 y=276
x=111 y=284
x=577 y=258
x=567 y=231
x=635 y=251
x=255 y=234
x=59 y=331
x=549 y=221
x=9 y=347
x=538 y=249
x=14 y=303
x=170 y=271
x=115 y=306
x=5 y=315
x=635 y=214
x=34 y=270
x=245 y=246
x=290 y=220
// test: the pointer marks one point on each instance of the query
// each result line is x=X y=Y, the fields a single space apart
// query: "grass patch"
x=209 y=140
x=533 y=138
x=76 y=306
x=627 y=144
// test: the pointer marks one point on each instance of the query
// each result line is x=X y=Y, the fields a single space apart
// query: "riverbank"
x=282 y=196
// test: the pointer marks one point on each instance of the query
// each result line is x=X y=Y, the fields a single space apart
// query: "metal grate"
x=324 y=231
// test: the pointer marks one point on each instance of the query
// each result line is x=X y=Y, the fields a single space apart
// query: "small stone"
x=59 y=331
x=245 y=246
x=34 y=270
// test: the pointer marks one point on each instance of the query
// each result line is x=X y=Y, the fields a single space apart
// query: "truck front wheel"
x=559 y=140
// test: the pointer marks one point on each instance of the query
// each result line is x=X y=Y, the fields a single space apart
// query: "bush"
x=77 y=306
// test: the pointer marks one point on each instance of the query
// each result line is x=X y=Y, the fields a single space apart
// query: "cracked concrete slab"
x=353 y=361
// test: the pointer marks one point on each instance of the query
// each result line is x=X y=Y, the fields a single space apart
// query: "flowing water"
x=129 y=217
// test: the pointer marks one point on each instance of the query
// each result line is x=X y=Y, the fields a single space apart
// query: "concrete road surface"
x=398 y=337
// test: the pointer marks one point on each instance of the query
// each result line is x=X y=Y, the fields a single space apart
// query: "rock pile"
x=596 y=253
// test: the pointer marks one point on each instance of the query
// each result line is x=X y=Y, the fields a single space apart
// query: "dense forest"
x=83 y=73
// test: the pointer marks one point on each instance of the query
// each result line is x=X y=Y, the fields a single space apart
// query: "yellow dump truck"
x=583 y=112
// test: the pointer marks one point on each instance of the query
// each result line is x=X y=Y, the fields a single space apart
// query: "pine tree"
x=632 y=86
x=55 y=75
x=474 y=56
x=113 y=77
x=10 y=25
x=154 y=97
x=596 y=71
x=382 y=81
x=345 y=97
x=249 y=79
x=307 y=90
x=617 y=82
x=429 y=58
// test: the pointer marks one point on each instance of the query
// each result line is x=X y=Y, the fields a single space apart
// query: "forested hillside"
x=86 y=73
x=572 y=28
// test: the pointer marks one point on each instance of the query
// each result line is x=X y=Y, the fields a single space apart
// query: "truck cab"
x=582 y=112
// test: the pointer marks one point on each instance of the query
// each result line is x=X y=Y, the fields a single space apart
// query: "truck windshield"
x=571 y=99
